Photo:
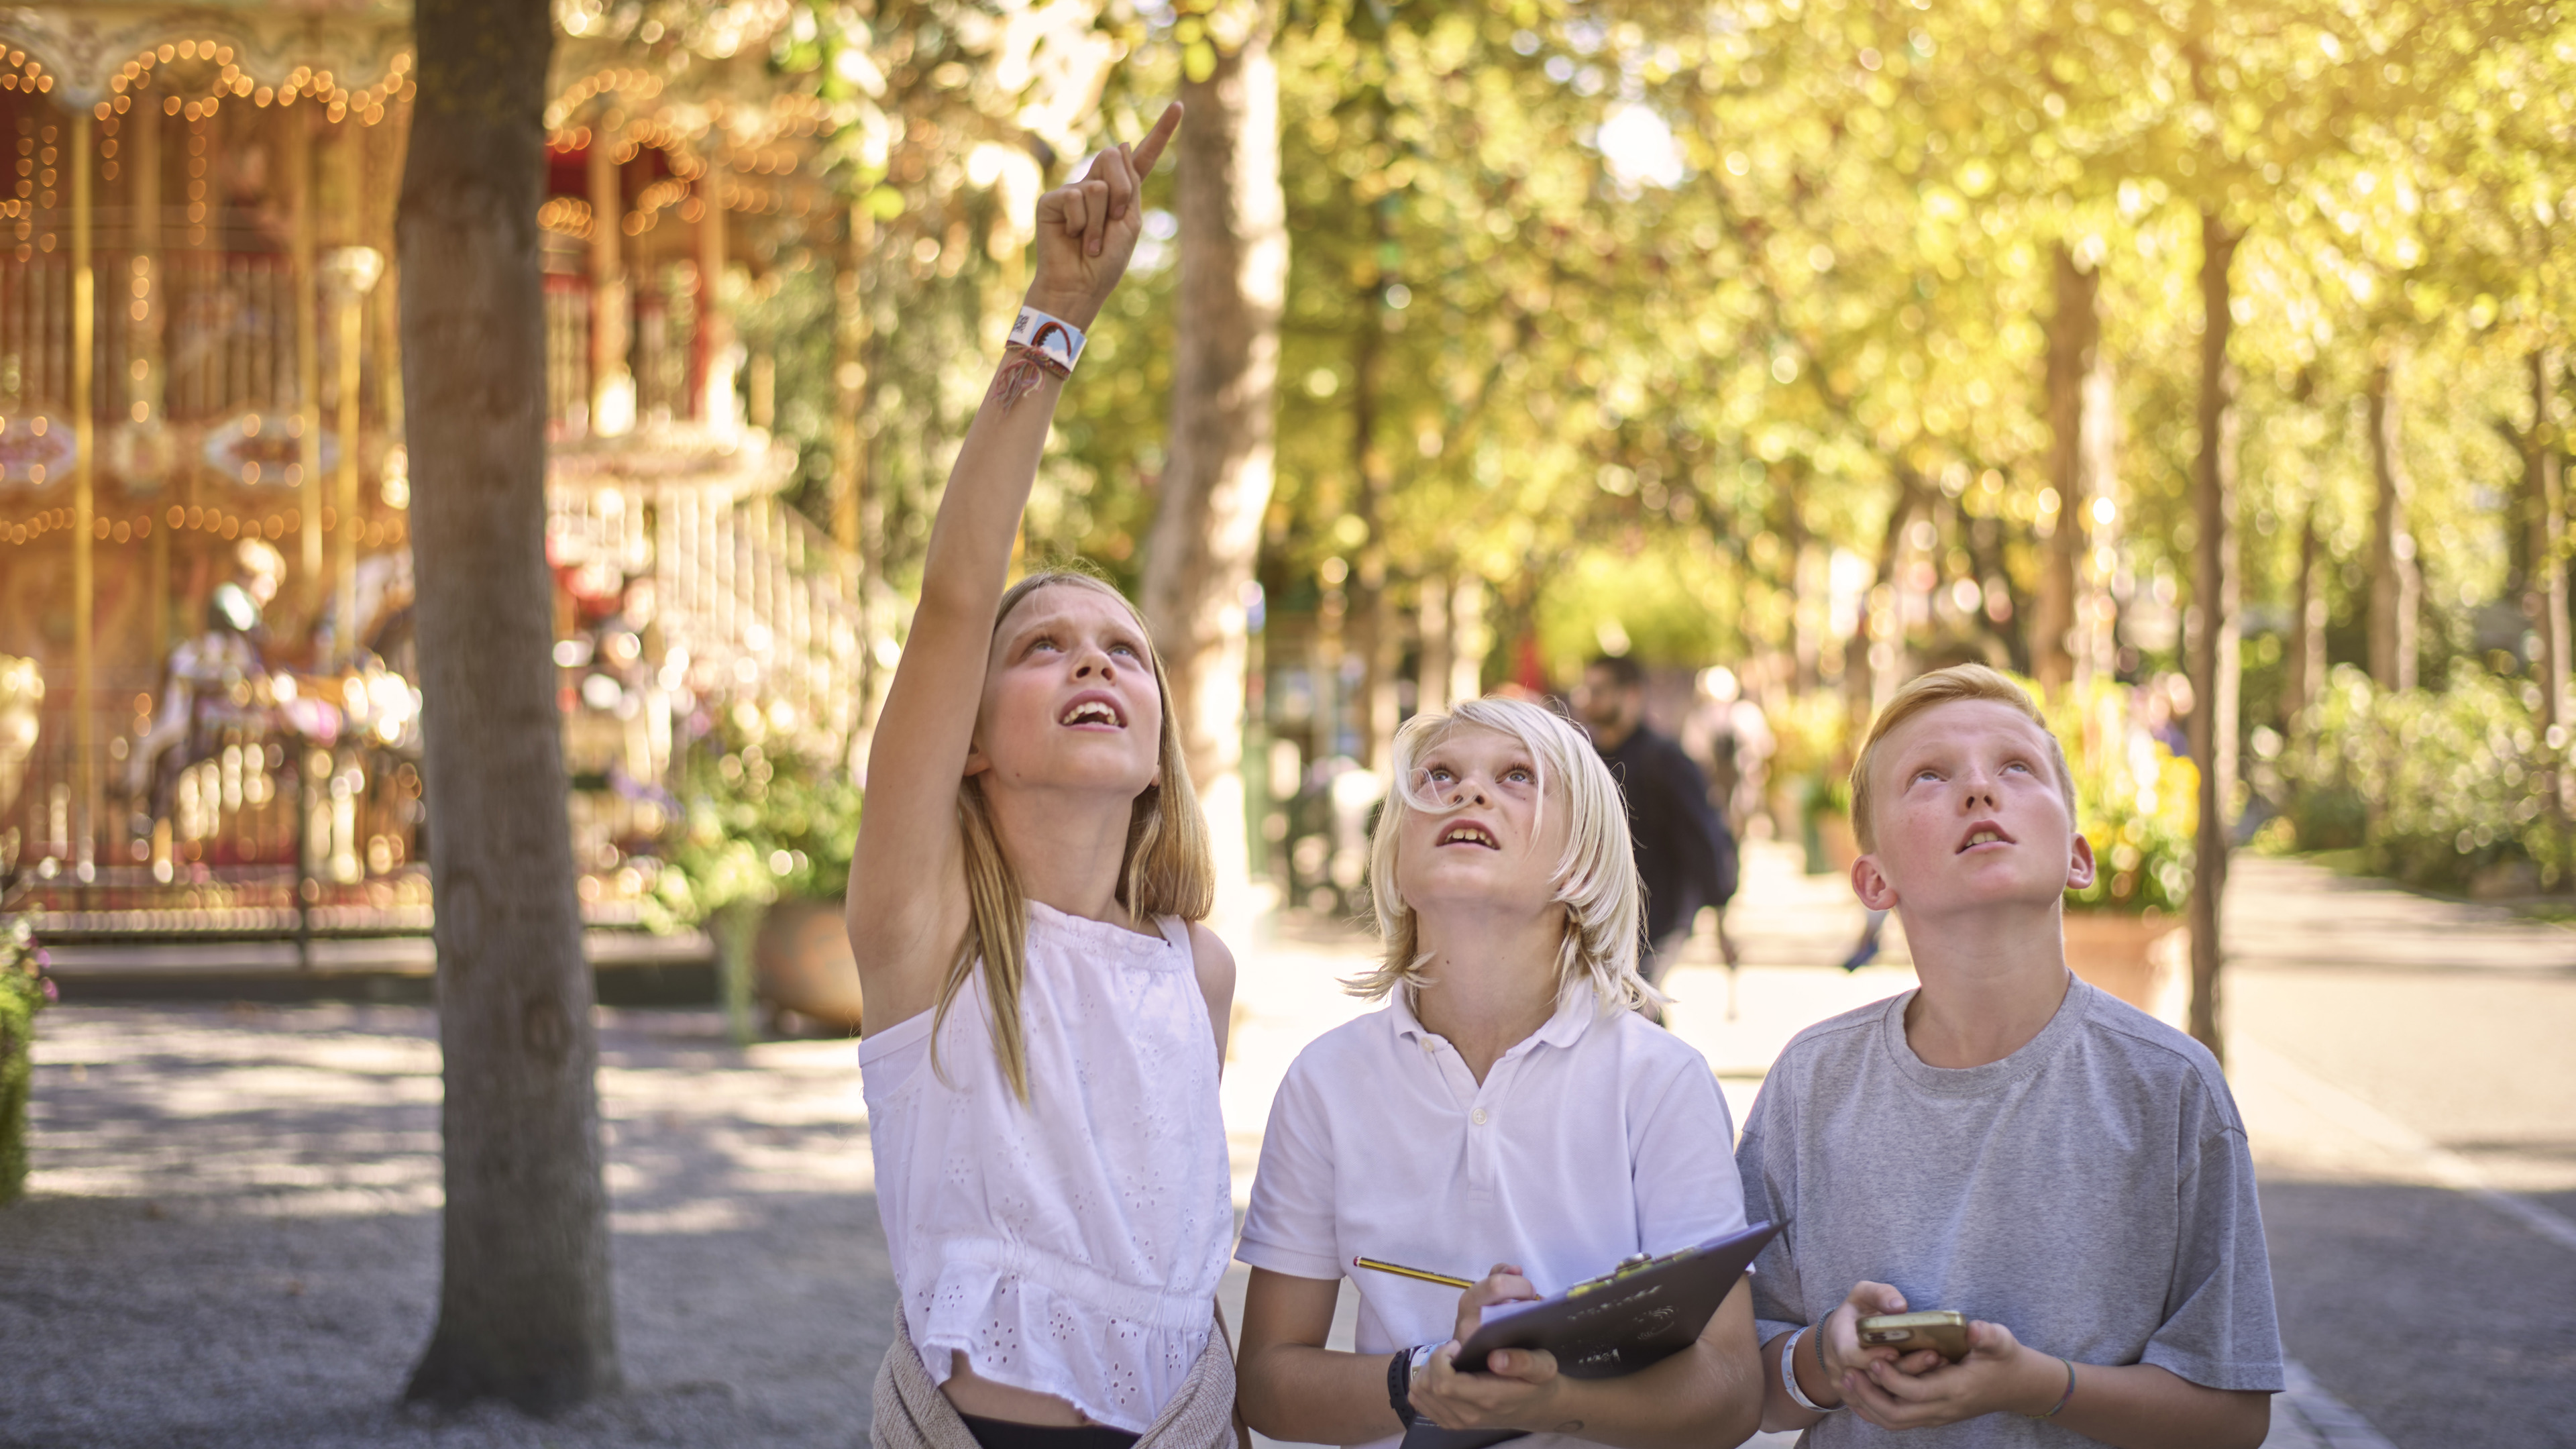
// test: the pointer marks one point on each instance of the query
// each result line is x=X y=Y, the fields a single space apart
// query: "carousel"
x=207 y=716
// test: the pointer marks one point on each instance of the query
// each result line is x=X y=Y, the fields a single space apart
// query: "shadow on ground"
x=233 y=1238
x=2373 y=1281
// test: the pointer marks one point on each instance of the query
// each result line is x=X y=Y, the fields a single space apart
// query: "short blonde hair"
x=1960 y=683
x=1596 y=880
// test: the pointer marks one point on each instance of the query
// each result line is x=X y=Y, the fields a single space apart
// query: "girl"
x=1044 y=1027
x=1507 y=1104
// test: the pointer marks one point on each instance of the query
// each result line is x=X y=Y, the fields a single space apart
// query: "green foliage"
x=757 y=822
x=1681 y=394
x=1812 y=751
x=2435 y=787
x=24 y=991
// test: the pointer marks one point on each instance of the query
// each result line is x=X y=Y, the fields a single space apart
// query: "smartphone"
x=1940 y=1330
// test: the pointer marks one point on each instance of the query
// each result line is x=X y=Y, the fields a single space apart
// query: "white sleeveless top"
x=1072 y=1245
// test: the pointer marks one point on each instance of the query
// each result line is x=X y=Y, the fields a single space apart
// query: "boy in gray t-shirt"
x=2005 y=1140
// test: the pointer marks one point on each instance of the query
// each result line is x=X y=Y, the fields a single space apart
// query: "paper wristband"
x=1056 y=343
x=1789 y=1375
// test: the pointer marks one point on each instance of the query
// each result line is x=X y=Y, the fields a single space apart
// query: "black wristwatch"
x=1399 y=1379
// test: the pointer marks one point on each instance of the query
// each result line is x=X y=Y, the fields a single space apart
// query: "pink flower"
x=52 y=993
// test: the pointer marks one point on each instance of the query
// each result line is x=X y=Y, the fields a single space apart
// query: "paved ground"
x=2406 y=1073
x=232 y=1238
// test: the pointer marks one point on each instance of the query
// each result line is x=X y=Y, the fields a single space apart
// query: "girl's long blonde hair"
x=1596 y=879
x=1168 y=870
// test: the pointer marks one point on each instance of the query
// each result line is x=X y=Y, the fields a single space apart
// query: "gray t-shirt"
x=2091 y=1192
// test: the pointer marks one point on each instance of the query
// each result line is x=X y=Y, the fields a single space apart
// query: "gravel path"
x=232 y=1237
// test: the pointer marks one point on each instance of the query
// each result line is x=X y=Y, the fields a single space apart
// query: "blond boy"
x=2004 y=1140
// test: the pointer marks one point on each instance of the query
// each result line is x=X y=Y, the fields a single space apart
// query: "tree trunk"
x=2213 y=643
x=1371 y=613
x=1809 y=588
x=1432 y=670
x=2544 y=599
x=1870 y=675
x=2306 y=666
x=1207 y=528
x=2396 y=586
x=2543 y=577
x=523 y=1306
x=1468 y=640
x=2074 y=356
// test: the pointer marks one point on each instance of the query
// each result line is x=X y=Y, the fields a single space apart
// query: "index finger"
x=1150 y=150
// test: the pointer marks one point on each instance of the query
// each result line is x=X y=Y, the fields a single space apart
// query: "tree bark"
x=2544 y=599
x=2396 y=585
x=1216 y=486
x=2542 y=578
x=1433 y=668
x=1808 y=587
x=2074 y=356
x=2306 y=665
x=2213 y=643
x=1468 y=640
x=1371 y=610
x=523 y=1308
x=1868 y=678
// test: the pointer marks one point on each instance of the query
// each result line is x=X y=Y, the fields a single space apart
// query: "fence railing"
x=270 y=803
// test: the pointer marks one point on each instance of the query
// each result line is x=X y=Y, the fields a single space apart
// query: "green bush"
x=2434 y=787
x=1811 y=750
x=2134 y=800
x=758 y=819
x=24 y=991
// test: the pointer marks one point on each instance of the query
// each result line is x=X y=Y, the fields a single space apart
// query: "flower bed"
x=2134 y=800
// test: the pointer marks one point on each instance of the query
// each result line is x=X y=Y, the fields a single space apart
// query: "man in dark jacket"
x=1685 y=855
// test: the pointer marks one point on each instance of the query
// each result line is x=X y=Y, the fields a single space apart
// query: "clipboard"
x=1637 y=1314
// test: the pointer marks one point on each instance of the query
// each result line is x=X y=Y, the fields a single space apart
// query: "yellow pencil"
x=1401 y=1271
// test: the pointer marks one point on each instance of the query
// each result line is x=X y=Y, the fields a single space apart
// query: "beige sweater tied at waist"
x=911 y=1413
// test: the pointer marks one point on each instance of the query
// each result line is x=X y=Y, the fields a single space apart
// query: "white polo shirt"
x=1598 y=1136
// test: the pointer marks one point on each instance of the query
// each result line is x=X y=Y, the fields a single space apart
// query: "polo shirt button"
x=1478 y=1117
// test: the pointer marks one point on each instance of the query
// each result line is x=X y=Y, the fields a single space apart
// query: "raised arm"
x=907 y=901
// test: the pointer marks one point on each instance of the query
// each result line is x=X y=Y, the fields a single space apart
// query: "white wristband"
x=1056 y=342
x=1789 y=1376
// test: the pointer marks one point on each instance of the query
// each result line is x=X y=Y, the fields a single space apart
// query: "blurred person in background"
x=1685 y=853
x=1737 y=746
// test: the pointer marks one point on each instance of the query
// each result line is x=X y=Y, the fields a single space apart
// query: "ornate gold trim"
x=357 y=41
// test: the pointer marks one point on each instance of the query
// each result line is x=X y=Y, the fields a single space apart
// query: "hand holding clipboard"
x=1638 y=1314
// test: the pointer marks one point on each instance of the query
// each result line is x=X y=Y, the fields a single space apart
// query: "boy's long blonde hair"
x=1596 y=880
x=1168 y=870
x=1947 y=686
